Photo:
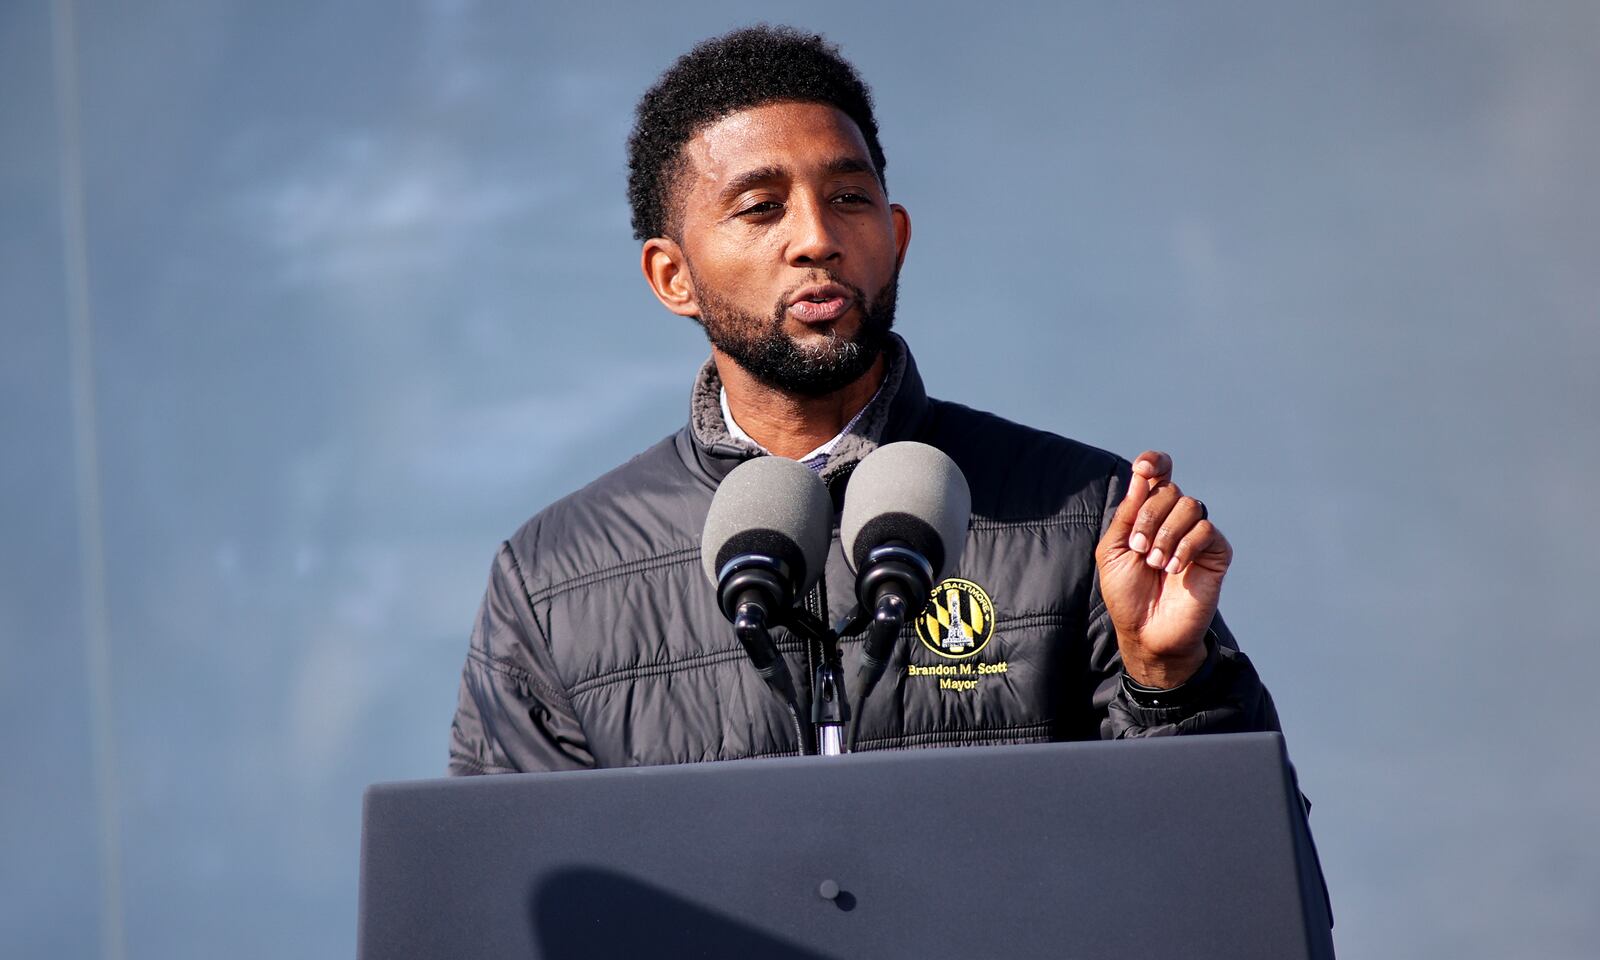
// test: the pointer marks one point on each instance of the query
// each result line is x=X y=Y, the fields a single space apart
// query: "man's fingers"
x=1152 y=514
x=1153 y=465
x=1122 y=520
x=1204 y=541
x=1186 y=512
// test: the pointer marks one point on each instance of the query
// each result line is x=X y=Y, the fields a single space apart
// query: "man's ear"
x=902 y=232
x=667 y=272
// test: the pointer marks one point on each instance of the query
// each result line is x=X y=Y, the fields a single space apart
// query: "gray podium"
x=1190 y=847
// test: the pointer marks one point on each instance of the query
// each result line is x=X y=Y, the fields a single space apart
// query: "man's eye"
x=852 y=198
x=757 y=209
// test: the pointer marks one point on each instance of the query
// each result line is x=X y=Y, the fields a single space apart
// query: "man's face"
x=789 y=246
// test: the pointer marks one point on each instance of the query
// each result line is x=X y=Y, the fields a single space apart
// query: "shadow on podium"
x=582 y=912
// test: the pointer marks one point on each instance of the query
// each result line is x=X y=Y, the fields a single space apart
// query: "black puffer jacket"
x=599 y=642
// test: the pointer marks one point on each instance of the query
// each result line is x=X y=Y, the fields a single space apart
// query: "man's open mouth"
x=820 y=304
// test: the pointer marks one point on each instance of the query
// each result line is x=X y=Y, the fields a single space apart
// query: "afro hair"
x=736 y=71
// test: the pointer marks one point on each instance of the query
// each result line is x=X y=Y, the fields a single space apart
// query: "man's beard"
x=760 y=347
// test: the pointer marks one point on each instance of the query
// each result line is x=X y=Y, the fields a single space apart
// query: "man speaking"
x=1085 y=601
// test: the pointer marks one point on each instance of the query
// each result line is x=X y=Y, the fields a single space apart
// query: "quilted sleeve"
x=513 y=714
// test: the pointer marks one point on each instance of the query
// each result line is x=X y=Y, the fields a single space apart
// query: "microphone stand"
x=830 y=709
x=831 y=712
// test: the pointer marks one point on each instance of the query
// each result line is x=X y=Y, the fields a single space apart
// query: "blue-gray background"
x=305 y=306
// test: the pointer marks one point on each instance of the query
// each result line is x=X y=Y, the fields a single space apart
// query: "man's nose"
x=815 y=239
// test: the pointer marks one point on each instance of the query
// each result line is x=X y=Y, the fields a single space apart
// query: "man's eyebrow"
x=750 y=178
x=838 y=166
x=843 y=165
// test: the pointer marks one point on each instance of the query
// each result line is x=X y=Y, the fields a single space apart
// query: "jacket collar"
x=896 y=413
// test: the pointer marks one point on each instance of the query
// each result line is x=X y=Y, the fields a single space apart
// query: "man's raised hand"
x=1161 y=565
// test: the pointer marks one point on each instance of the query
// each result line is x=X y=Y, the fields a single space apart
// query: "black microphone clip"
x=895 y=583
x=753 y=591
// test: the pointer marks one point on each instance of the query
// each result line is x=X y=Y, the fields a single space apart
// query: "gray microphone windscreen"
x=773 y=507
x=911 y=493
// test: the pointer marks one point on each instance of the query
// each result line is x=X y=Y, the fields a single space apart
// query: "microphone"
x=903 y=529
x=765 y=544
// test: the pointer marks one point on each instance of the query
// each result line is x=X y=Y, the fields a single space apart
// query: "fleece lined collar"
x=893 y=414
